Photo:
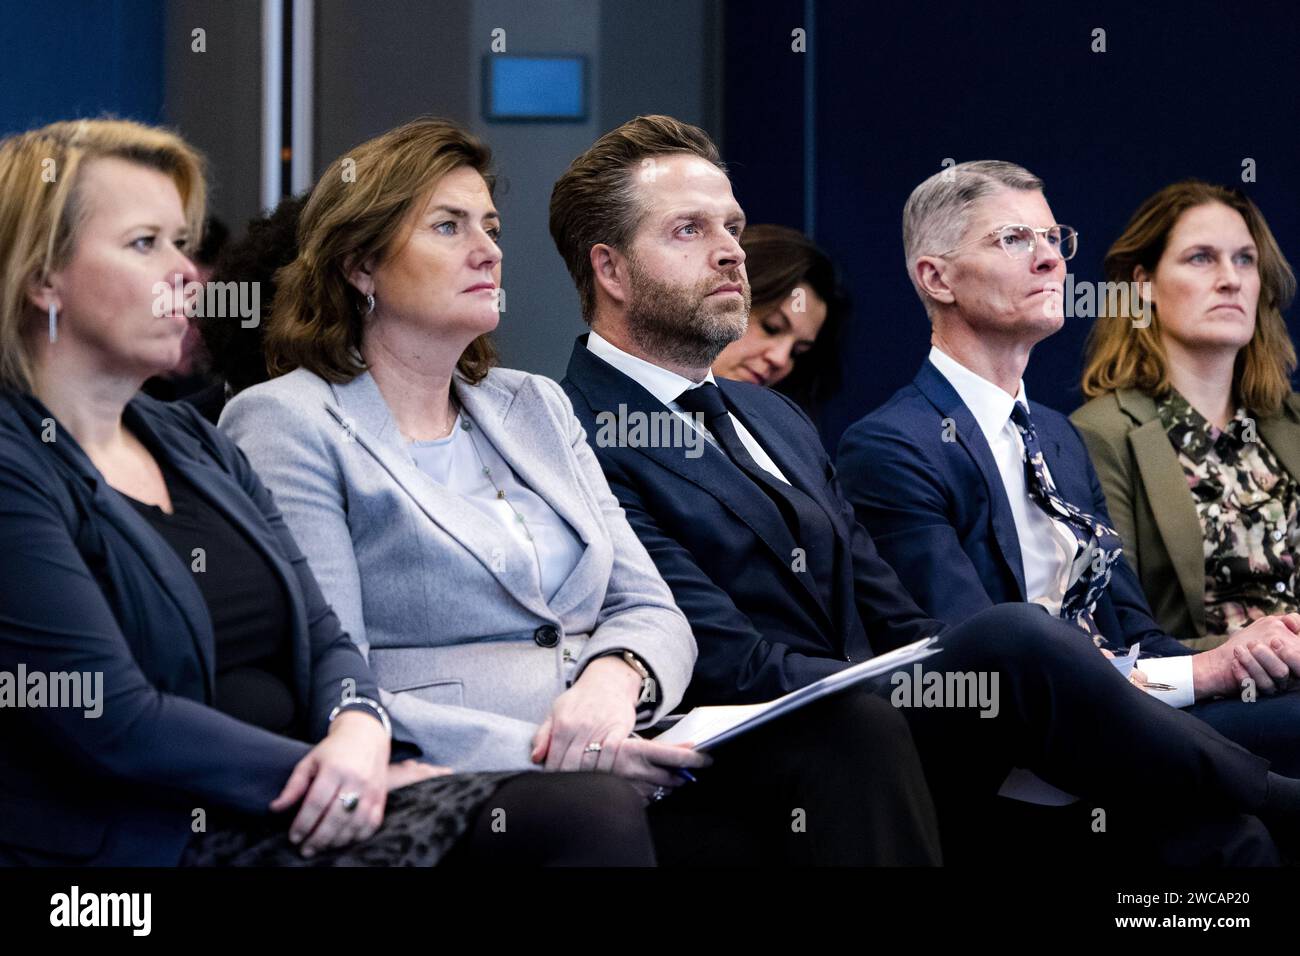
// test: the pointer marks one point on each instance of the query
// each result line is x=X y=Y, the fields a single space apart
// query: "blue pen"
x=681 y=771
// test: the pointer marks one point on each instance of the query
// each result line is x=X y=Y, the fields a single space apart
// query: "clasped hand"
x=352 y=759
x=590 y=728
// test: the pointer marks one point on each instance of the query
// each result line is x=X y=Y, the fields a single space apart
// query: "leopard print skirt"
x=421 y=823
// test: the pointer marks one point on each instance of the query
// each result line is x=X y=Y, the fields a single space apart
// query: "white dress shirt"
x=1050 y=555
x=666 y=386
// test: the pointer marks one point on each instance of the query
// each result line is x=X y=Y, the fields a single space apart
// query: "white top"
x=455 y=463
x=1049 y=551
x=666 y=386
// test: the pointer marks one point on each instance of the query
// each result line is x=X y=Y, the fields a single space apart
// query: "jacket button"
x=546 y=636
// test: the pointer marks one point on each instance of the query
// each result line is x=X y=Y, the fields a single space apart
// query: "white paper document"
x=707 y=727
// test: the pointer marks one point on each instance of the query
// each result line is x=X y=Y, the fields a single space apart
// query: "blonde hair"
x=1122 y=353
x=357 y=210
x=42 y=208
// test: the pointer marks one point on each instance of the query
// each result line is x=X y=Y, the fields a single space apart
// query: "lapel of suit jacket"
x=1171 y=502
x=173 y=577
x=365 y=418
x=779 y=448
x=795 y=468
x=520 y=427
x=944 y=397
x=1281 y=432
x=228 y=498
x=611 y=393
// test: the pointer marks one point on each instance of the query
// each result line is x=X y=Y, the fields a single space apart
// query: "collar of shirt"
x=990 y=405
x=666 y=386
x=658 y=381
x=1049 y=552
x=1193 y=435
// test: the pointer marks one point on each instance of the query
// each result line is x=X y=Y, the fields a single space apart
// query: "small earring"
x=54 y=321
x=370 y=304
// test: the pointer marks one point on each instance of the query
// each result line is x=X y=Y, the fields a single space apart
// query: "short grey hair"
x=937 y=213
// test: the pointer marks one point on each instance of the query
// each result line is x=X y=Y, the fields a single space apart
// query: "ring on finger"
x=350 y=801
x=659 y=794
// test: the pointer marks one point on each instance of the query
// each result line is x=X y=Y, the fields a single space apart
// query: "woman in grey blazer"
x=453 y=513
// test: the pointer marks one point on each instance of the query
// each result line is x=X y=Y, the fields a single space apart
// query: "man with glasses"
x=782 y=586
x=978 y=497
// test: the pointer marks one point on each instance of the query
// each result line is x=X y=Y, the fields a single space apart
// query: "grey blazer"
x=468 y=655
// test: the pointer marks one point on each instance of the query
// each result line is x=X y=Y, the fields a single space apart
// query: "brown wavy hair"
x=42 y=209
x=358 y=210
x=1120 y=355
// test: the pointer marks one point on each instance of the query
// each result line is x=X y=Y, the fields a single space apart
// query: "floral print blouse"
x=1248 y=507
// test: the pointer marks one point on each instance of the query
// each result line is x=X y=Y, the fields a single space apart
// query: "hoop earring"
x=370 y=304
x=54 y=321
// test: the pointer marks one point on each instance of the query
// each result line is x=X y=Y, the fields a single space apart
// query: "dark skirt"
x=421 y=823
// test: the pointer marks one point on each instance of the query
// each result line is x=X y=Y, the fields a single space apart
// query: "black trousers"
x=557 y=819
x=474 y=819
x=1028 y=836
x=836 y=783
x=1155 y=773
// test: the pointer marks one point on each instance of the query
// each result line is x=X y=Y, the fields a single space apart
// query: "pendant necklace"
x=467 y=425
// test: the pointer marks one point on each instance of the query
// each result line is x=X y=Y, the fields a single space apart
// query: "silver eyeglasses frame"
x=1068 y=233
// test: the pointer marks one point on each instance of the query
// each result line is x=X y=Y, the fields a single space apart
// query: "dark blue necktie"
x=1093 y=536
x=810 y=528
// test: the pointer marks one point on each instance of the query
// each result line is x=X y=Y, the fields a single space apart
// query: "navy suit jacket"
x=89 y=586
x=923 y=480
x=763 y=627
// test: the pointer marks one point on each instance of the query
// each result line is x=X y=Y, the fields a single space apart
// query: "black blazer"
x=89 y=586
x=933 y=497
x=763 y=627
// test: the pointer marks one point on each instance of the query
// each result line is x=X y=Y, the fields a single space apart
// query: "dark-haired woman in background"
x=1193 y=425
x=798 y=313
x=237 y=356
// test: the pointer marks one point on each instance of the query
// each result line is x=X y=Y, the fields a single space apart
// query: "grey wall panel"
x=380 y=64
x=542 y=315
x=214 y=97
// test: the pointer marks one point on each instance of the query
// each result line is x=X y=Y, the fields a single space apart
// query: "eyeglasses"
x=1019 y=241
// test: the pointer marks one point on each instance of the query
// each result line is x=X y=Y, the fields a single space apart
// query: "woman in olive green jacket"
x=1193 y=426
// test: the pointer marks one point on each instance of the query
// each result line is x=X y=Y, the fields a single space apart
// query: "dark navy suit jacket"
x=763 y=627
x=88 y=586
x=923 y=480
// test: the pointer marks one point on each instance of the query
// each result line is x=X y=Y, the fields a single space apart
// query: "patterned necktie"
x=1094 y=537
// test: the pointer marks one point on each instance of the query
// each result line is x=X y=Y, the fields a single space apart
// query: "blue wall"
x=77 y=58
x=1183 y=90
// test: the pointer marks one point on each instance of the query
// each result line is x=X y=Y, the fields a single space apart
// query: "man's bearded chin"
x=682 y=325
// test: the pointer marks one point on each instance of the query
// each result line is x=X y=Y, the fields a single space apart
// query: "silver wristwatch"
x=372 y=705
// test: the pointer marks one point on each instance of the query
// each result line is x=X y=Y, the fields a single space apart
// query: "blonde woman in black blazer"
x=145 y=566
